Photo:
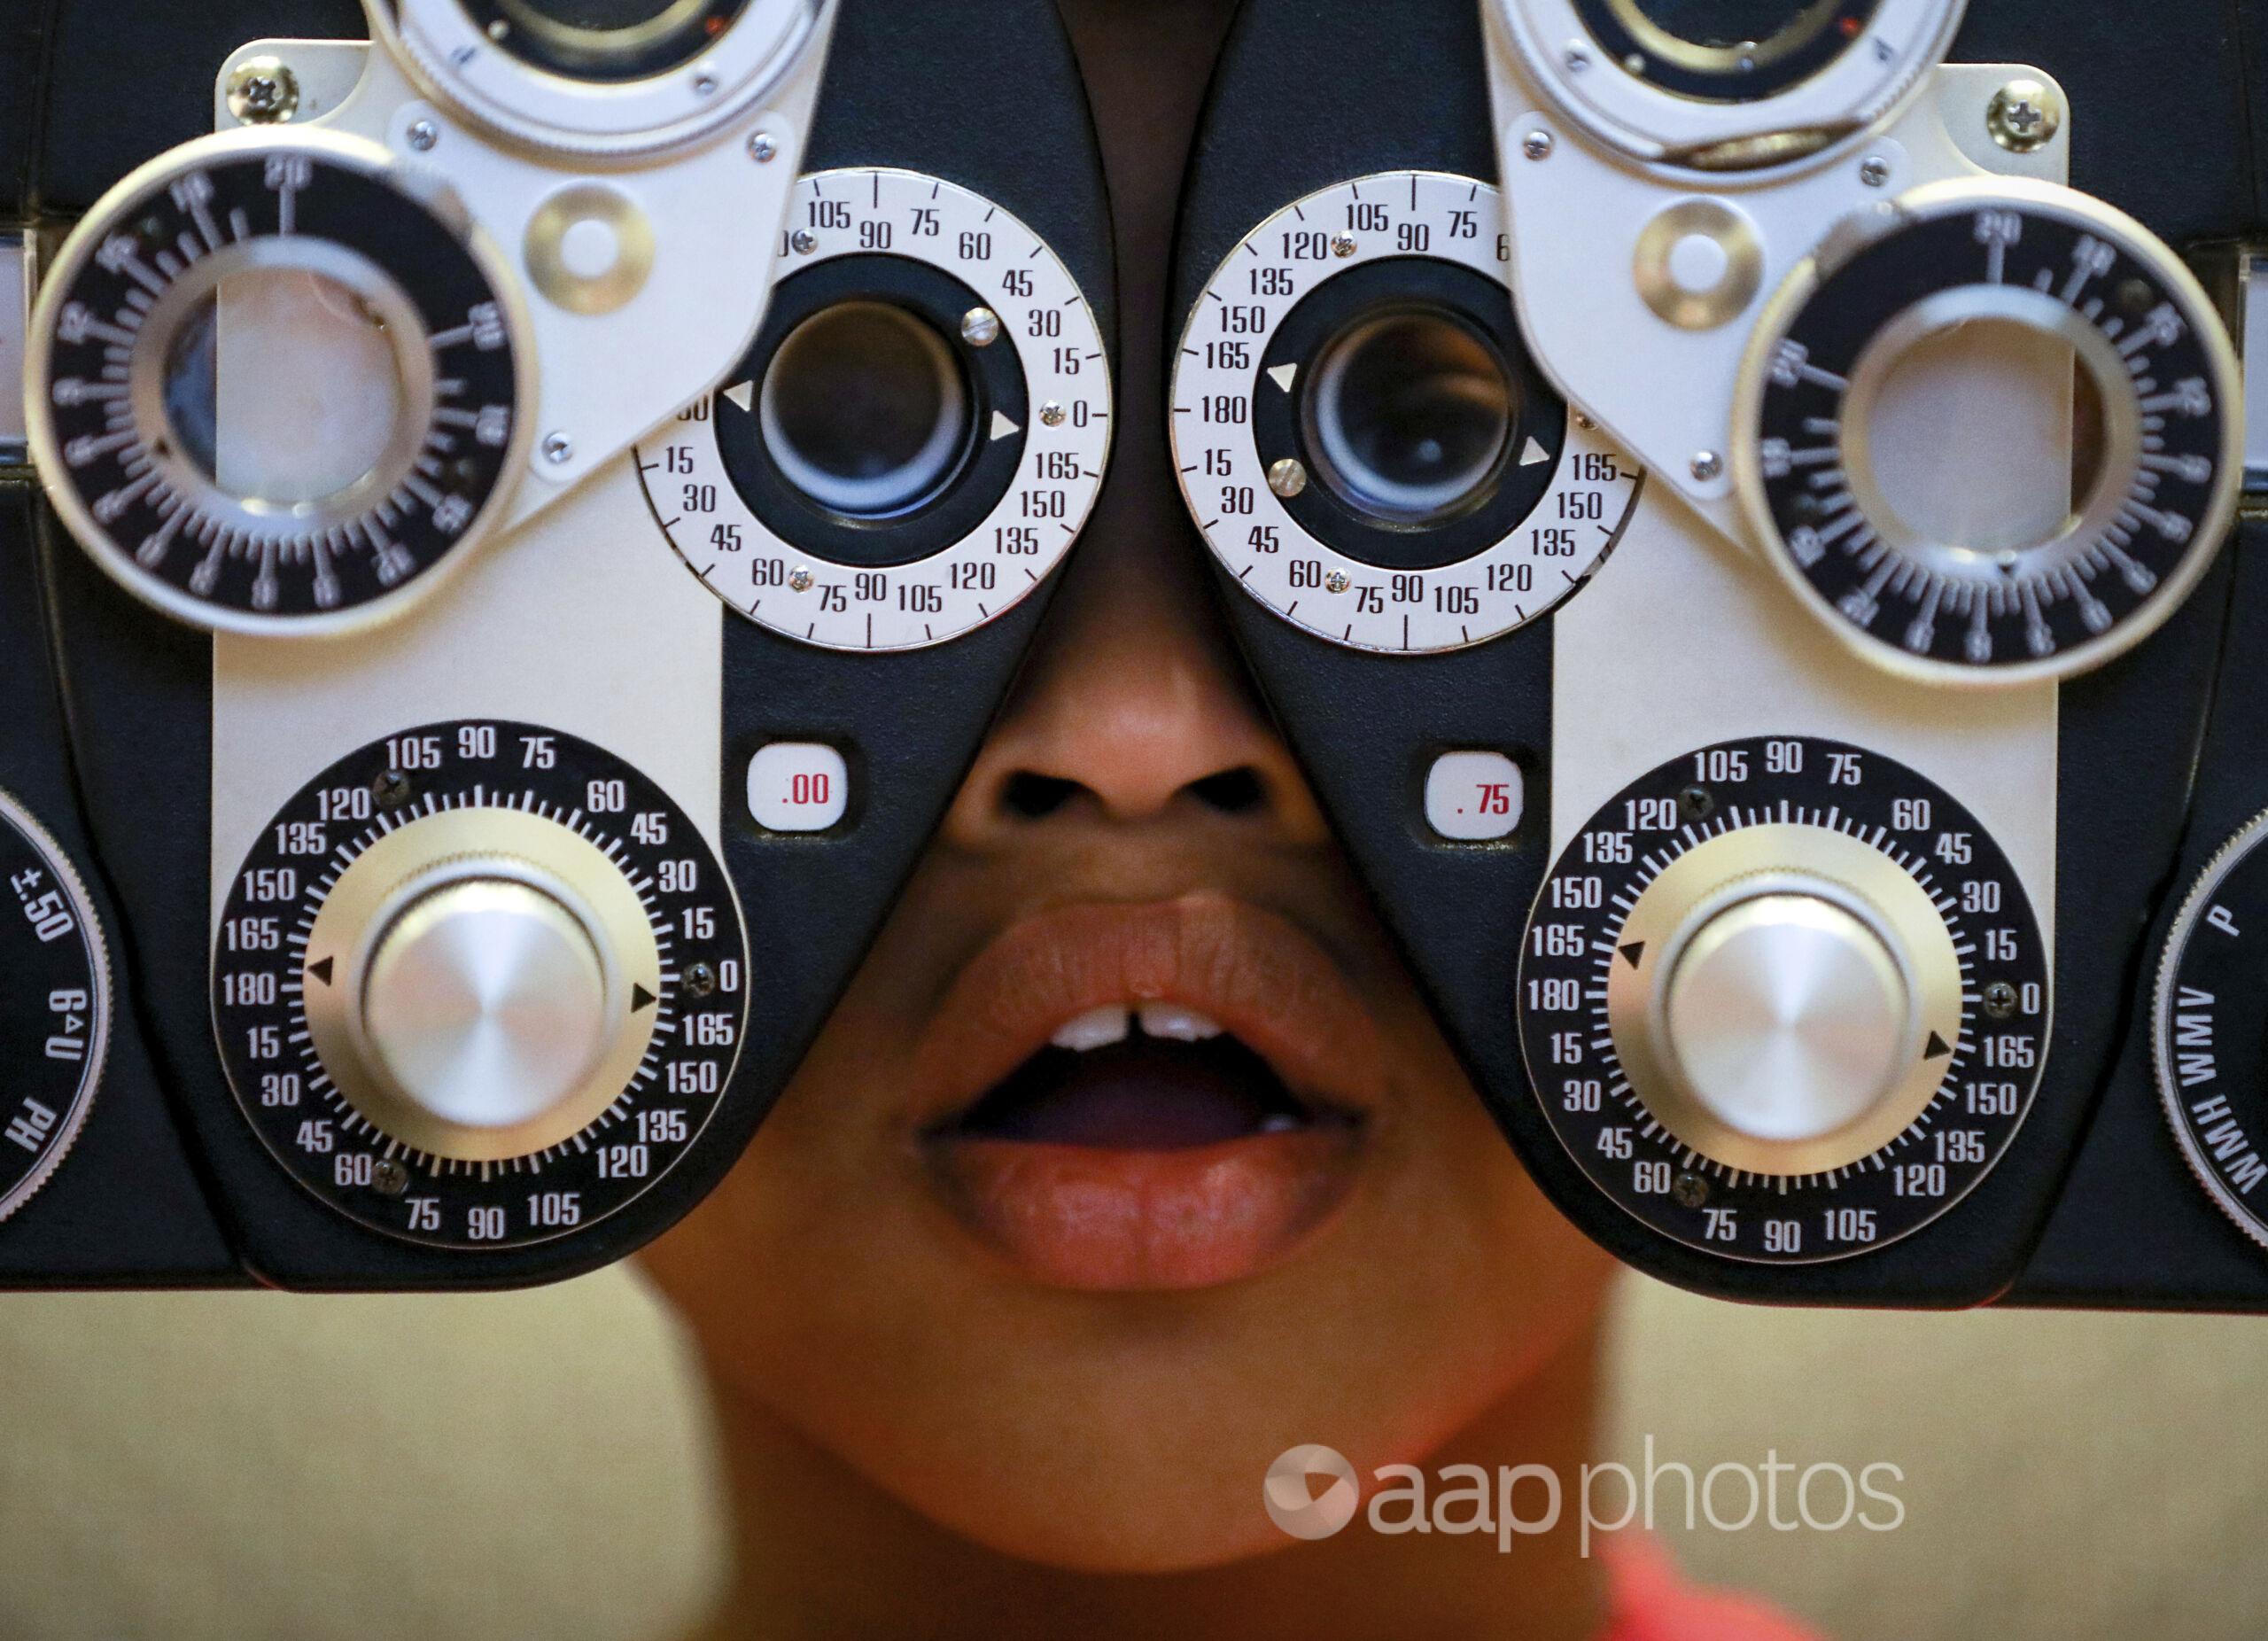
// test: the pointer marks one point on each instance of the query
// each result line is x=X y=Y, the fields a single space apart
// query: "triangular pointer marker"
x=641 y=999
x=321 y=970
x=1534 y=453
x=1002 y=427
x=1635 y=950
x=1937 y=1050
x=741 y=394
x=1282 y=376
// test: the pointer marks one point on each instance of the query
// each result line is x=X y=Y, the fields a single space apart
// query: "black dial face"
x=1941 y=589
x=279 y=964
x=54 y=1006
x=1974 y=1072
x=2211 y=1030
x=276 y=388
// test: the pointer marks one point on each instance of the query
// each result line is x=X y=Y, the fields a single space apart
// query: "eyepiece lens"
x=1408 y=415
x=865 y=409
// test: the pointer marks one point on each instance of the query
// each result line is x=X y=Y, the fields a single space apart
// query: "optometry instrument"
x=524 y=509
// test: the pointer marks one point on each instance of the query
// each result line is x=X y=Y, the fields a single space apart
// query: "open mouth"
x=1152 y=1076
x=1159 y=1097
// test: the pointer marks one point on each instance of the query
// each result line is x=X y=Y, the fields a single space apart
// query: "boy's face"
x=1036 y=1291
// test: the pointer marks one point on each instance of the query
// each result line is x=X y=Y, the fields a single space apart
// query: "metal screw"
x=1051 y=414
x=1577 y=59
x=1537 y=144
x=705 y=85
x=980 y=327
x=388 y=1176
x=799 y=580
x=1689 y=1191
x=701 y=979
x=2000 y=999
x=1287 y=477
x=2024 y=116
x=1696 y=803
x=1708 y=467
x=1873 y=171
x=1342 y=245
x=391 y=790
x=764 y=148
x=1585 y=423
x=804 y=240
x=263 y=90
x=1337 y=581
x=557 y=448
x=423 y=135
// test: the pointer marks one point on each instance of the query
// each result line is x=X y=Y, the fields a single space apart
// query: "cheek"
x=1125 y=1433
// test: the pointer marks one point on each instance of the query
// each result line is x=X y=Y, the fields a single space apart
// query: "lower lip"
x=1106 y=1221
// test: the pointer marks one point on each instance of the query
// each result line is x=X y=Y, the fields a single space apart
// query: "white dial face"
x=1223 y=381
x=1063 y=434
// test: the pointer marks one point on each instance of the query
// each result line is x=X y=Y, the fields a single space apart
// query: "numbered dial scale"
x=479 y=984
x=2211 y=1055
x=1022 y=429
x=1255 y=353
x=273 y=385
x=54 y=1006
x=2000 y=265
x=1784 y=1000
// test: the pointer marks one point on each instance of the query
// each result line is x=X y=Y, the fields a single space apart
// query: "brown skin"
x=921 y=1438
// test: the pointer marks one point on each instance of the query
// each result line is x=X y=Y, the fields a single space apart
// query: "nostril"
x=1032 y=798
x=1232 y=792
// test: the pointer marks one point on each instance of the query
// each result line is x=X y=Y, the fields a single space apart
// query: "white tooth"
x=1098 y=1028
x=1182 y=1025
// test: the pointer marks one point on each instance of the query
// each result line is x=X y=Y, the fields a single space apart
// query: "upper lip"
x=1257 y=973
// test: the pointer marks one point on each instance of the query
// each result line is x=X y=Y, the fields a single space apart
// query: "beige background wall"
x=532 y=1464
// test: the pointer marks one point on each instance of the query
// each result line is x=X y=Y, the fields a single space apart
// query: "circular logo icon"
x=1293 y=1503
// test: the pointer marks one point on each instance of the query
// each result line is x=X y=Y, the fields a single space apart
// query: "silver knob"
x=484 y=1003
x=1787 y=1018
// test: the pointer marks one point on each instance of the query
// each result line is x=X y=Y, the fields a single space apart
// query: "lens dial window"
x=273 y=389
x=604 y=40
x=1726 y=50
x=915 y=438
x=601 y=76
x=1361 y=437
x=1724 y=86
x=1995 y=442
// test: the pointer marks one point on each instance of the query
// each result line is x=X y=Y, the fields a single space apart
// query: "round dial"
x=479 y=984
x=1361 y=437
x=1729 y=85
x=2212 y=1054
x=917 y=435
x=54 y=1006
x=1921 y=359
x=271 y=386
x=600 y=76
x=1784 y=1000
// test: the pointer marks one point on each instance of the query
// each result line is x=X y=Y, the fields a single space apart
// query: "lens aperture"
x=1409 y=414
x=866 y=410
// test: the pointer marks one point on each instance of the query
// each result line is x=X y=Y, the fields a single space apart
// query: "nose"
x=1134 y=709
